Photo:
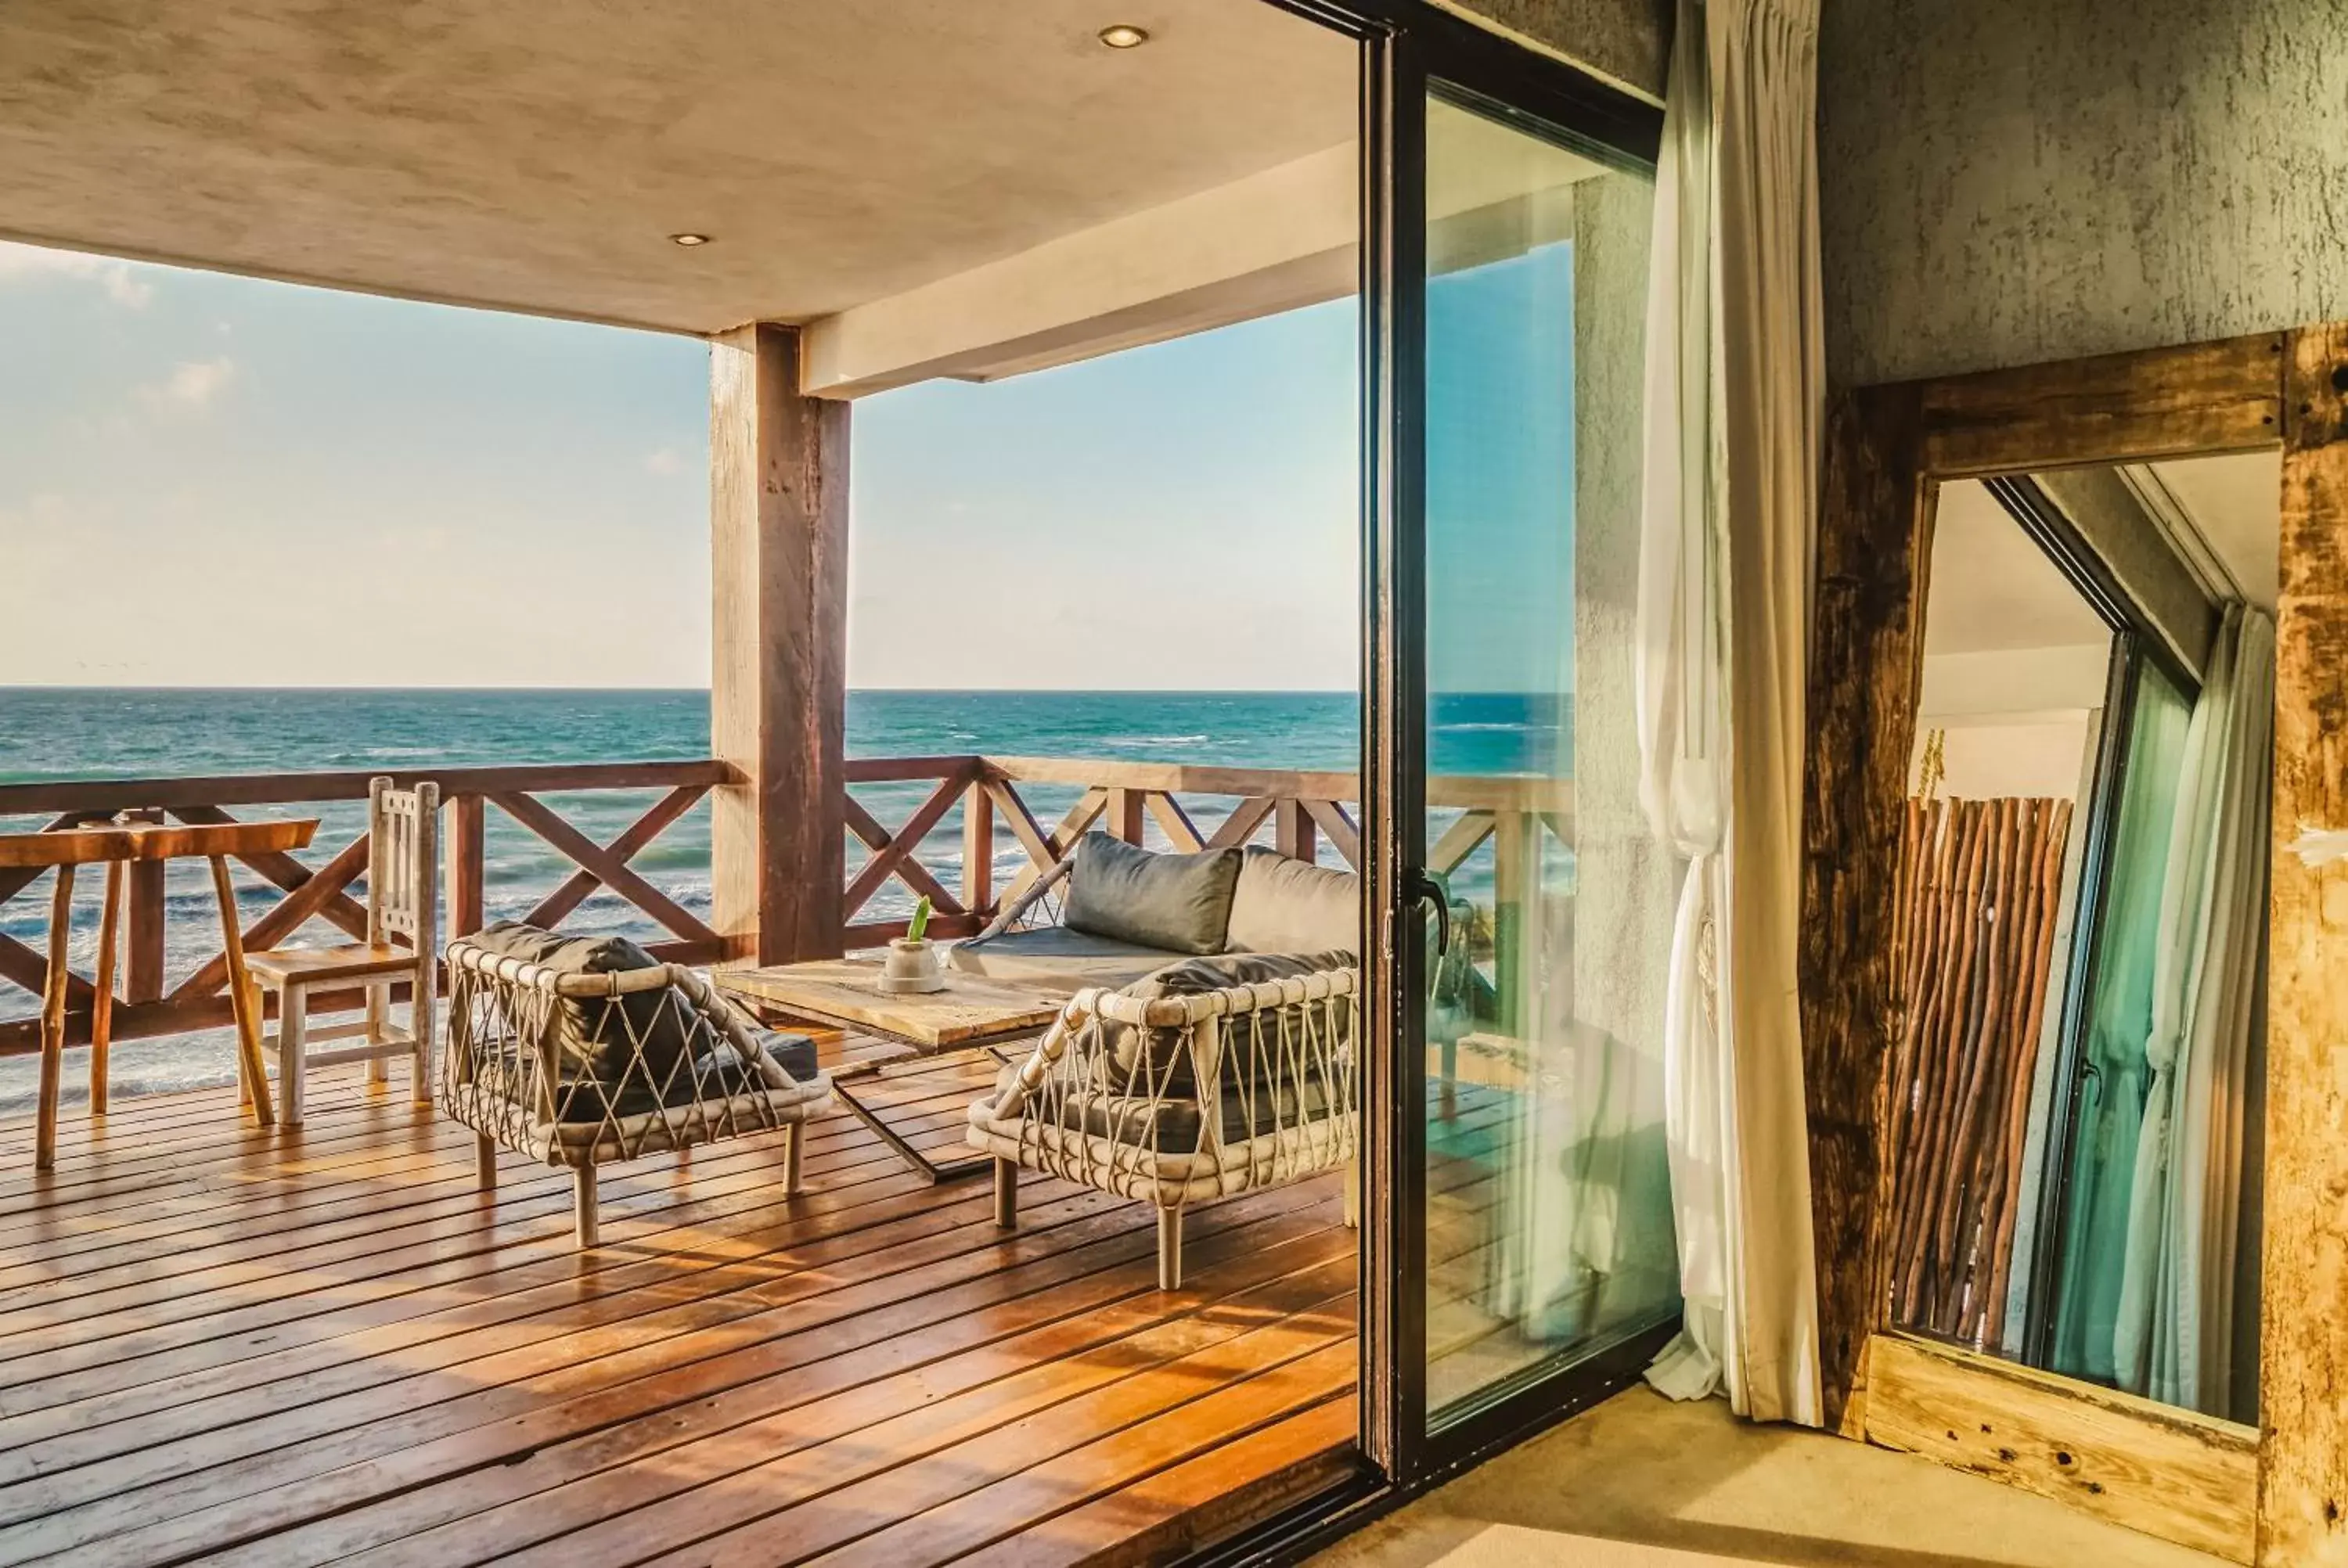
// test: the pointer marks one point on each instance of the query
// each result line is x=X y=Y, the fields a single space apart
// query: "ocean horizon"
x=63 y=733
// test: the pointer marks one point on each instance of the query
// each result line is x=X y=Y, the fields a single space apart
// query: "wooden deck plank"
x=279 y=1348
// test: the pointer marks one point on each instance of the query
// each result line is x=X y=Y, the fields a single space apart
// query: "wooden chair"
x=403 y=907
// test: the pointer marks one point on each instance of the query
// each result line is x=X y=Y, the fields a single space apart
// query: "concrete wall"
x=1628 y=42
x=2005 y=181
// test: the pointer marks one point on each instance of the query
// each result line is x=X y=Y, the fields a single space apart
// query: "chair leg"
x=378 y=1019
x=1354 y=1194
x=1006 y=1194
x=485 y=1162
x=292 y=1023
x=1169 y=1249
x=420 y=1023
x=794 y=1156
x=582 y=1202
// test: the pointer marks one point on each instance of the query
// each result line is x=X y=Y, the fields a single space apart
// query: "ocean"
x=91 y=733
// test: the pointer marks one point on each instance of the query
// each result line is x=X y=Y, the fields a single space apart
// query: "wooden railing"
x=976 y=803
x=149 y=1006
x=1296 y=812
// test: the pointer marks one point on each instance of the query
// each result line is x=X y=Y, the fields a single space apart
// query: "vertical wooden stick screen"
x=1980 y=884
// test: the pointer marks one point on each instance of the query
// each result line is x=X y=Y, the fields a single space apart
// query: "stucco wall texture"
x=1629 y=42
x=2008 y=181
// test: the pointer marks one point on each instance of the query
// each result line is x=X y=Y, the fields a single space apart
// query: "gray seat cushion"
x=1280 y=904
x=1166 y=1126
x=1056 y=957
x=1181 y=903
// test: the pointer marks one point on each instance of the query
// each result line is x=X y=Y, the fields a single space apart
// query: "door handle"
x=1426 y=889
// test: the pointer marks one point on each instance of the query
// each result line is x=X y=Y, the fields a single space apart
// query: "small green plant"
x=918 y=927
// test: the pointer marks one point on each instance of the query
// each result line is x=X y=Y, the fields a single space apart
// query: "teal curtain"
x=2103 y=1154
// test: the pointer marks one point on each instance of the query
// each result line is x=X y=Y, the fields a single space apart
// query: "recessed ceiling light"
x=689 y=239
x=1123 y=36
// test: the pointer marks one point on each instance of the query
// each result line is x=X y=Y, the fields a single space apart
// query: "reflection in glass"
x=1549 y=1216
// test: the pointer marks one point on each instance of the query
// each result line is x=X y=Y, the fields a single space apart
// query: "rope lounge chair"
x=1213 y=1076
x=582 y=1052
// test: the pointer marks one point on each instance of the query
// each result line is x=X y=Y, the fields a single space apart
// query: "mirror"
x=2075 y=1097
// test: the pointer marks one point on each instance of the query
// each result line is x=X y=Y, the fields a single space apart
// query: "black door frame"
x=1408 y=47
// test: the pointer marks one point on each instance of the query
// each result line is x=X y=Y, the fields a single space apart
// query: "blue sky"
x=209 y=480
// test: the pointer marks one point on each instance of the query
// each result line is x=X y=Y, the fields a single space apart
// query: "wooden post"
x=467 y=823
x=1874 y=551
x=2304 y=1339
x=1124 y=819
x=142 y=964
x=1294 y=833
x=978 y=848
x=779 y=560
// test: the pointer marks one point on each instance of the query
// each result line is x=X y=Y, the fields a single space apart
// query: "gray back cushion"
x=595 y=1045
x=1145 y=1060
x=1280 y=904
x=1180 y=903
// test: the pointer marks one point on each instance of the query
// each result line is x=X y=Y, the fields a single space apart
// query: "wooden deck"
x=264 y=1347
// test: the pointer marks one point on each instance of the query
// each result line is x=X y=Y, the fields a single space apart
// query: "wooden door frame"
x=1888 y=448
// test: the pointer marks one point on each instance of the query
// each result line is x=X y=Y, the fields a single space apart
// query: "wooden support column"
x=778 y=562
x=467 y=830
x=1874 y=555
x=2304 y=1339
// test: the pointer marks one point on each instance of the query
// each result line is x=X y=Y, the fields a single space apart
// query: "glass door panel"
x=1547 y=1203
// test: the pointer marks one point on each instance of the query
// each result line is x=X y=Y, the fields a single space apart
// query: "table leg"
x=101 y=1012
x=240 y=995
x=53 y=1021
x=936 y=1170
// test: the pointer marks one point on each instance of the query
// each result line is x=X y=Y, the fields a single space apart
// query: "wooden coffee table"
x=973 y=1013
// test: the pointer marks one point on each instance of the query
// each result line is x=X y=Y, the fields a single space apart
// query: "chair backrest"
x=403 y=863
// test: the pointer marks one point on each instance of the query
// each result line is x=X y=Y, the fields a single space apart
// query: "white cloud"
x=122 y=285
x=192 y=383
x=664 y=461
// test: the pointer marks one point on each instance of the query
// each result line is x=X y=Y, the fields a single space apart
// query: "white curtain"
x=2173 y=1339
x=1735 y=384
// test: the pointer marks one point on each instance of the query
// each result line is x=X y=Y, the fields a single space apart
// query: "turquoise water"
x=85 y=733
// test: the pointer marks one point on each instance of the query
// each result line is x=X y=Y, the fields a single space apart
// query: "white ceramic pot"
x=911 y=968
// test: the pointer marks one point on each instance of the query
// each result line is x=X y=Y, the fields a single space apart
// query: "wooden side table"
x=114 y=846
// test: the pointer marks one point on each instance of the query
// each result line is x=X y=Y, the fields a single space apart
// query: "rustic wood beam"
x=1874 y=551
x=2303 y=1339
x=2188 y=401
x=779 y=560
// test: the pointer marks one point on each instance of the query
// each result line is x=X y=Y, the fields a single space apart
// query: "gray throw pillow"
x=1283 y=905
x=1176 y=903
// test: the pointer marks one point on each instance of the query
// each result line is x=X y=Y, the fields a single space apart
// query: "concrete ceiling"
x=1993 y=588
x=2235 y=505
x=538 y=157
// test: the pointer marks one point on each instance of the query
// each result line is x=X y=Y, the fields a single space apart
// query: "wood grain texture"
x=2199 y=398
x=843 y=991
x=2183 y=1477
x=2304 y=1339
x=278 y=1350
x=87 y=846
x=778 y=683
x=1874 y=552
